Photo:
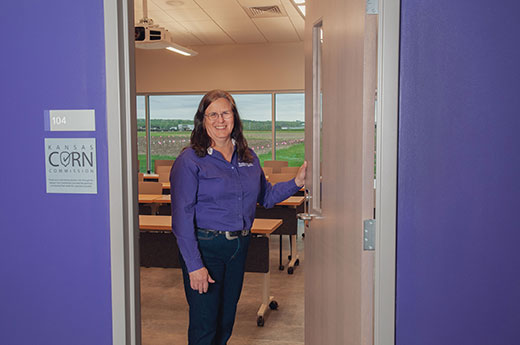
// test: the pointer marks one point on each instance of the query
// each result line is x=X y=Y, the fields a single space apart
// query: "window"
x=141 y=133
x=290 y=128
x=170 y=122
x=256 y=114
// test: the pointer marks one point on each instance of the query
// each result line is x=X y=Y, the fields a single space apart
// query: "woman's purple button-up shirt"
x=210 y=192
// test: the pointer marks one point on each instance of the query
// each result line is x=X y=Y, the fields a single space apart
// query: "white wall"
x=252 y=67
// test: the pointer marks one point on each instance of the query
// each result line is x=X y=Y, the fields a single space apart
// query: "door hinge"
x=369 y=234
x=372 y=7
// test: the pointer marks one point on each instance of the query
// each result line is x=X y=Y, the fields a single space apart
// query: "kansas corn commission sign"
x=70 y=165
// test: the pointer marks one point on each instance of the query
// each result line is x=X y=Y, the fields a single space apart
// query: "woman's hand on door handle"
x=300 y=175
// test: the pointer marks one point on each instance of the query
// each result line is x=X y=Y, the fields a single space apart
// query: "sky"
x=289 y=107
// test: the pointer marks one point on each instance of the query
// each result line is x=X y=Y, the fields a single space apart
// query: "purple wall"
x=458 y=231
x=54 y=250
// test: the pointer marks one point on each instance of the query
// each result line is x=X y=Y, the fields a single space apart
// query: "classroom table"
x=158 y=248
x=151 y=177
x=286 y=210
x=166 y=187
x=155 y=200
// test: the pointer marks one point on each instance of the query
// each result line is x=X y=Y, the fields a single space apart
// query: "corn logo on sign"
x=70 y=165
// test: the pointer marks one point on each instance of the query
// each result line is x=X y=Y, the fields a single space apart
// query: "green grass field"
x=294 y=154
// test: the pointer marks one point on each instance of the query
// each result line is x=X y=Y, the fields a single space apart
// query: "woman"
x=216 y=184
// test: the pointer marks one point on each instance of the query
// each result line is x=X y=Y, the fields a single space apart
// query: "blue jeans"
x=212 y=314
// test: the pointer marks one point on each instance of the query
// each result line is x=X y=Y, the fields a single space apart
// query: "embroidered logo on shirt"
x=244 y=164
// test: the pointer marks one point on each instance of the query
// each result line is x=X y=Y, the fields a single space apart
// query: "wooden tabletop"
x=154 y=198
x=260 y=225
x=163 y=199
x=151 y=176
x=155 y=222
x=147 y=198
x=165 y=185
x=292 y=201
x=265 y=226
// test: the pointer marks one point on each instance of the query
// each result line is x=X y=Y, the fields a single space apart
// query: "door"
x=340 y=76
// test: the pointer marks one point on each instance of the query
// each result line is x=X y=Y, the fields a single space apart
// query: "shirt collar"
x=210 y=149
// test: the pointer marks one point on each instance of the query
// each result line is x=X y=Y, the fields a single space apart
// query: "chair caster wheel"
x=289 y=257
x=273 y=305
x=281 y=267
x=260 y=321
x=290 y=270
x=297 y=262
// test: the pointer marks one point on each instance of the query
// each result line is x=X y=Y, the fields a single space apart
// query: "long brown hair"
x=200 y=140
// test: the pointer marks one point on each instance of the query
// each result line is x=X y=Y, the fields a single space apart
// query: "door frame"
x=386 y=173
x=121 y=126
x=122 y=171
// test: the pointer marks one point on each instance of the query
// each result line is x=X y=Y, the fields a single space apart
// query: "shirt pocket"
x=250 y=179
x=214 y=186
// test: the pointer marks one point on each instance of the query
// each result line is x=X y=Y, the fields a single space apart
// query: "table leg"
x=268 y=301
x=281 y=266
x=295 y=261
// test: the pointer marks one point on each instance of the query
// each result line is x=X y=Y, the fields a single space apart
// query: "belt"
x=230 y=235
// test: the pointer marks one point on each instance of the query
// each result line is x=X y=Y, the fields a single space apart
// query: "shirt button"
x=239 y=198
x=233 y=168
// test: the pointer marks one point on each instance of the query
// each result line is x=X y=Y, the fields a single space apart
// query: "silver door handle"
x=308 y=216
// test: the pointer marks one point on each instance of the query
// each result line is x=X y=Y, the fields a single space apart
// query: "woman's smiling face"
x=219 y=120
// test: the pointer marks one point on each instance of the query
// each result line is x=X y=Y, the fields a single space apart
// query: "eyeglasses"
x=226 y=115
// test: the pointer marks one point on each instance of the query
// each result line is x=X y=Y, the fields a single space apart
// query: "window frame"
x=273 y=94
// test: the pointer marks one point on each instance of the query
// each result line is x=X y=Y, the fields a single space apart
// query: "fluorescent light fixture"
x=182 y=50
x=300 y=6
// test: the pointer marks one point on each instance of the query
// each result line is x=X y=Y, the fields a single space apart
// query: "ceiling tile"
x=226 y=12
x=300 y=30
x=234 y=25
x=159 y=17
x=216 y=3
x=175 y=4
x=242 y=31
x=296 y=19
x=207 y=31
x=277 y=29
x=242 y=37
x=181 y=35
x=138 y=4
x=188 y=14
x=292 y=12
x=174 y=26
x=251 y=3
x=196 y=22
x=186 y=40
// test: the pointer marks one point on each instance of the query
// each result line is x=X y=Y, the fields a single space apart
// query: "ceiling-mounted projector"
x=150 y=36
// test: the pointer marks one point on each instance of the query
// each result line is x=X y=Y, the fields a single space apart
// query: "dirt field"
x=171 y=143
